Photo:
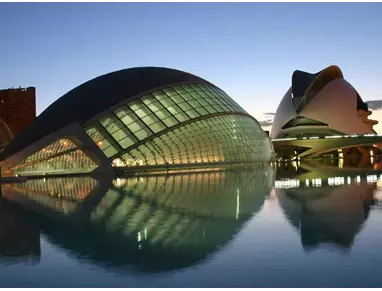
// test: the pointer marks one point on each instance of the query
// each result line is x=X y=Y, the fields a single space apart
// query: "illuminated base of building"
x=333 y=147
x=292 y=153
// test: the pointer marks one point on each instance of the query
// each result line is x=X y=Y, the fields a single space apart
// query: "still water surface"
x=304 y=225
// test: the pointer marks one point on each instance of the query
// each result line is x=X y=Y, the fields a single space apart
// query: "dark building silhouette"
x=18 y=107
x=19 y=236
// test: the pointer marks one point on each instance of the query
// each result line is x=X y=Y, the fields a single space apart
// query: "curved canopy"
x=306 y=85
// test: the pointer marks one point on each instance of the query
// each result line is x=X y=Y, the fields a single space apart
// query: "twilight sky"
x=248 y=49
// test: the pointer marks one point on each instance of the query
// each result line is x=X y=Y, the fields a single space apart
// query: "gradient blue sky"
x=248 y=49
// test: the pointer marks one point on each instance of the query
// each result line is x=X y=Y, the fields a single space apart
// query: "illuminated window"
x=72 y=162
x=206 y=141
x=50 y=150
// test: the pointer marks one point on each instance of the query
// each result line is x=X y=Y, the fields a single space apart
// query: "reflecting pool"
x=284 y=225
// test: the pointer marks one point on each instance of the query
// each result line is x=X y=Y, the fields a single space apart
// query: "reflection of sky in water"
x=206 y=229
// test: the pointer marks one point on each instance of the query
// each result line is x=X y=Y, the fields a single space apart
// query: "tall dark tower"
x=18 y=107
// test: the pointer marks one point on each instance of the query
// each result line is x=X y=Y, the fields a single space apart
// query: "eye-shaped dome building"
x=321 y=104
x=138 y=117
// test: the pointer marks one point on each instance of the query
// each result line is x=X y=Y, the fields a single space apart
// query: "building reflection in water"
x=148 y=223
x=166 y=222
x=19 y=237
x=327 y=205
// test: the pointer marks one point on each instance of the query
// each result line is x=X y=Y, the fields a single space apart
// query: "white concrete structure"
x=321 y=104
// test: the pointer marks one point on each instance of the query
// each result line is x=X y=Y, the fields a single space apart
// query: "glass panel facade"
x=52 y=149
x=138 y=120
x=72 y=162
x=104 y=143
x=230 y=138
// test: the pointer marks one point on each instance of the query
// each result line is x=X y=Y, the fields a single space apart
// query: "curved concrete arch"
x=322 y=79
x=284 y=113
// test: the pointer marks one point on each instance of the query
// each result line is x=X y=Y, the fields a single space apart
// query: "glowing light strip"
x=331 y=181
x=328 y=136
